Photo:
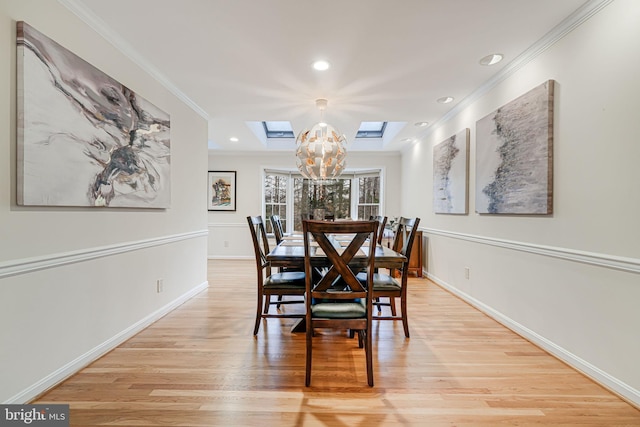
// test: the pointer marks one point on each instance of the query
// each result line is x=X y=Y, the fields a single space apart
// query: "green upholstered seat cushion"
x=341 y=309
x=288 y=280
x=381 y=281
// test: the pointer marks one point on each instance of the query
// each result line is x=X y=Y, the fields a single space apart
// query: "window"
x=278 y=130
x=368 y=196
x=371 y=130
x=354 y=195
x=275 y=199
x=331 y=196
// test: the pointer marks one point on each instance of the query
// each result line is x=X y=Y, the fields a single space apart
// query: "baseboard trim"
x=92 y=355
x=620 y=388
x=28 y=265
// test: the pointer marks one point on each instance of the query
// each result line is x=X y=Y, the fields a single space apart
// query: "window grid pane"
x=334 y=196
x=368 y=197
x=275 y=199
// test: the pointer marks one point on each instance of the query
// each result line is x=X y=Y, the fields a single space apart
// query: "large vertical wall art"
x=514 y=156
x=83 y=138
x=451 y=174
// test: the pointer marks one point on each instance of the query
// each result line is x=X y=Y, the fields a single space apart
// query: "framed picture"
x=451 y=174
x=222 y=191
x=83 y=138
x=514 y=156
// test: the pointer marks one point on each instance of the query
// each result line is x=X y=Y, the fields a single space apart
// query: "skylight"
x=278 y=129
x=371 y=130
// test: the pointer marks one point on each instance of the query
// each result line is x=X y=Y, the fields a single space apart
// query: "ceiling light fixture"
x=421 y=124
x=321 y=65
x=233 y=139
x=445 y=100
x=321 y=151
x=494 y=58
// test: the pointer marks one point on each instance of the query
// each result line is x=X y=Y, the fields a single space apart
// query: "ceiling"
x=241 y=62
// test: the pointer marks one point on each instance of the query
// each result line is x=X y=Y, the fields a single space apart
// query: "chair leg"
x=267 y=302
x=307 y=375
x=377 y=300
x=361 y=338
x=279 y=299
x=368 y=356
x=258 y=316
x=392 y=304
x=405 y=319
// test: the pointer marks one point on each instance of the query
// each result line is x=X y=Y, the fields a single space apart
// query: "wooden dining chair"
x=278 y=230
x=382 y=222
x=337 y=299
x=386 y=286
x=279 y=284
x=278 y=233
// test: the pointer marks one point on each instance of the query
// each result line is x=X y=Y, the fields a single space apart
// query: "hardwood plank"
x=201 y=366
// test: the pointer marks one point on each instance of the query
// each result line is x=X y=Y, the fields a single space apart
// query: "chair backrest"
x=340 y=281
x=382 y=222
x=405 y=234
x=278 y=231
x=260 y=243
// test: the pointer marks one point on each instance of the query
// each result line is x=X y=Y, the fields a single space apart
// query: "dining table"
x=290 y=253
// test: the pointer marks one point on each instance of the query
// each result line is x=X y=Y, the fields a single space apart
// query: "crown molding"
x=570 y=23
x=99 y=26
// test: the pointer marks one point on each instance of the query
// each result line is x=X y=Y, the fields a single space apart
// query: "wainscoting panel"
x=230 y=241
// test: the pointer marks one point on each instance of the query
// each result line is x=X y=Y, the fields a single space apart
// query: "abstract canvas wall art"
x=83 y=138
x=514 y=156
x=451 y=174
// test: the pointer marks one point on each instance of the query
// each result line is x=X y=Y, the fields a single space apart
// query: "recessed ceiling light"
x=445 y=99
x=406 y=140
x=233 y=139
x=321 y=65
x=421 y=124
x=494 y=58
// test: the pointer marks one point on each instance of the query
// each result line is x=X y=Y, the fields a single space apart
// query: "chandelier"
x=321 y=150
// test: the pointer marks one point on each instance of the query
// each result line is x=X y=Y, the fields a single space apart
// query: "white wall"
x=568 y=281
x=74 y=282
x=232 y=227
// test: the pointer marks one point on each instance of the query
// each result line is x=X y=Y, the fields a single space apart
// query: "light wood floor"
x=201 y=366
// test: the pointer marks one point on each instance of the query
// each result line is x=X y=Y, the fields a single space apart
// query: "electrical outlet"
x=159 y=285
x=466 y=272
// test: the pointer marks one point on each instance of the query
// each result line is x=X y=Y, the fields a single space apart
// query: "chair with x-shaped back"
x=337 y=299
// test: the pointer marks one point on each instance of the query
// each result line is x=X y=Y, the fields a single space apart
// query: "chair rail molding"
x=27 y=265
x=631 y=265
